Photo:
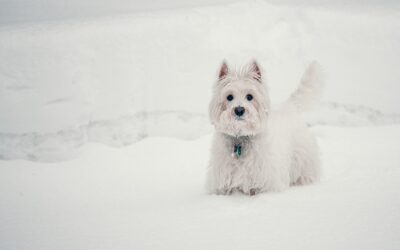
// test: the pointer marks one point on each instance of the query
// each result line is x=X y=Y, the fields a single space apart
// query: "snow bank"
x=150 y=195
x=65 y=144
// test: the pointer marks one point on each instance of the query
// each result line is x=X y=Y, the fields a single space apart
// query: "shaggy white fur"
x=259 y=149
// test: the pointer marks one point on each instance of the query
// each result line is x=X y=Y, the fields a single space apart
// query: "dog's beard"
x=249 y=124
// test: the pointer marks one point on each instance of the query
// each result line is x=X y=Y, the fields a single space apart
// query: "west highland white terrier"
x=256 y=149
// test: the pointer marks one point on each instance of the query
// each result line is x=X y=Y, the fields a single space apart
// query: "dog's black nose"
x=239 y=111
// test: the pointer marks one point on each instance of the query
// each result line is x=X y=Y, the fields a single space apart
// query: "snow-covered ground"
x=104 y=134
x=150 y=195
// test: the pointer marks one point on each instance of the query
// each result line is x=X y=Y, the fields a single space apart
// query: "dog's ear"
x=223 y=71
x=255 y=70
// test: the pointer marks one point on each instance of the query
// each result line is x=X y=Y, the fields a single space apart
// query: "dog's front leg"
x=219 y=180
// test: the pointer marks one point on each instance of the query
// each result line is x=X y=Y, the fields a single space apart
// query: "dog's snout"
x=239 y=111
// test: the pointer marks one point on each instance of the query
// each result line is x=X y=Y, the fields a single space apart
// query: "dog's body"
x=256 y=149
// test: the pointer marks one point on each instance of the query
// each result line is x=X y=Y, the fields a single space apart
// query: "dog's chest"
x=245 y=169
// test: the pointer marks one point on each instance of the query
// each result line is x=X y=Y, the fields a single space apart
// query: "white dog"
x=256 y=149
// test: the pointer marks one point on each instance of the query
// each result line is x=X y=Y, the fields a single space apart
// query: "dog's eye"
x=249 y=97
x=229 y=97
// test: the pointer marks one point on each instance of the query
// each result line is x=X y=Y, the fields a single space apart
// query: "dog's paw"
x=253 y=191
x=250 y=192
x=223 y=191
x=304 y=180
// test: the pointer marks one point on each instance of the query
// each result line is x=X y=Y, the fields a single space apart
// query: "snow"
x=74 y=73
x=150 y=195
x=123 y=131
x=22 y=11
x=104 y=133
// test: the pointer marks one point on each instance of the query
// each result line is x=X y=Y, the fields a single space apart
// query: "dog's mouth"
x=239 y=118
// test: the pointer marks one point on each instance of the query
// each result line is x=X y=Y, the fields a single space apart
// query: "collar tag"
x=237 y=150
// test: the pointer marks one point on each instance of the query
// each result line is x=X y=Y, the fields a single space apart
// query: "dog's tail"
x=309 y=90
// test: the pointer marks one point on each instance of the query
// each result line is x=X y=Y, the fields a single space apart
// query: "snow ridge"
x=126 y=130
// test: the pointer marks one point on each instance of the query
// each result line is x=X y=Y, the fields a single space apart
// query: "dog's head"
x=240 y=104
